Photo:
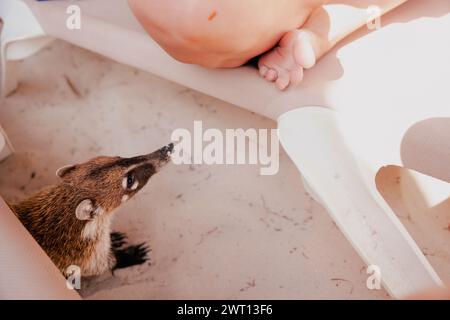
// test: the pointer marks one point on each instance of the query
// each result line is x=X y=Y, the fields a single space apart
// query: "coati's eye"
x=130 y=181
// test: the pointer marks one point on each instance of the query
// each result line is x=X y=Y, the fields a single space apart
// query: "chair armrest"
x=26 y=271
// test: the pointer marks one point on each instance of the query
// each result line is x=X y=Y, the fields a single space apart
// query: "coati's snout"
x=114 y=180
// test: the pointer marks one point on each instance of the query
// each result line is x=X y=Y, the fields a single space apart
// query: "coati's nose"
x=167 y=149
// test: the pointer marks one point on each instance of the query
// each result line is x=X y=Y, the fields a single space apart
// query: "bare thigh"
x=220 y=33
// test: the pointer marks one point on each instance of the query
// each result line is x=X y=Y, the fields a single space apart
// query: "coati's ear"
x=61 y=172
x=85 y=210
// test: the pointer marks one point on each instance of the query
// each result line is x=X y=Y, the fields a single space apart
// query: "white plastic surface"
x=351 y=198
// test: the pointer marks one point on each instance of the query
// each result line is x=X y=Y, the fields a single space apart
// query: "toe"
x=283 y=80
x=282 y=83
x=271 y=75
x=296 y=76
x=304 y=54
x=263 y=71
x=118 y=236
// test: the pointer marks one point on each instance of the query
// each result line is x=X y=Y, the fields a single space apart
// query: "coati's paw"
x=118 y=240
x=131 y=256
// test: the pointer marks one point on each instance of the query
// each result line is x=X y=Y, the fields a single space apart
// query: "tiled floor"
x=215 y=231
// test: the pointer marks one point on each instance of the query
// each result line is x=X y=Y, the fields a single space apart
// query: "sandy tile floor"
x=215 y=231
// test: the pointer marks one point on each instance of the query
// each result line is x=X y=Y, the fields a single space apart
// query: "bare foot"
x=284 y=64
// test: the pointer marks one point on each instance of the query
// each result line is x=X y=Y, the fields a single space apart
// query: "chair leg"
x=312 y=138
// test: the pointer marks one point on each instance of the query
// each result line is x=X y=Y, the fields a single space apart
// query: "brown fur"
x=49 y=215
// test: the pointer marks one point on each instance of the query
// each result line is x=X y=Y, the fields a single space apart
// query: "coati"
x=71 y=220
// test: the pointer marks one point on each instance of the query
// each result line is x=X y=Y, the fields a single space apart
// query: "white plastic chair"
x=369 y=94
